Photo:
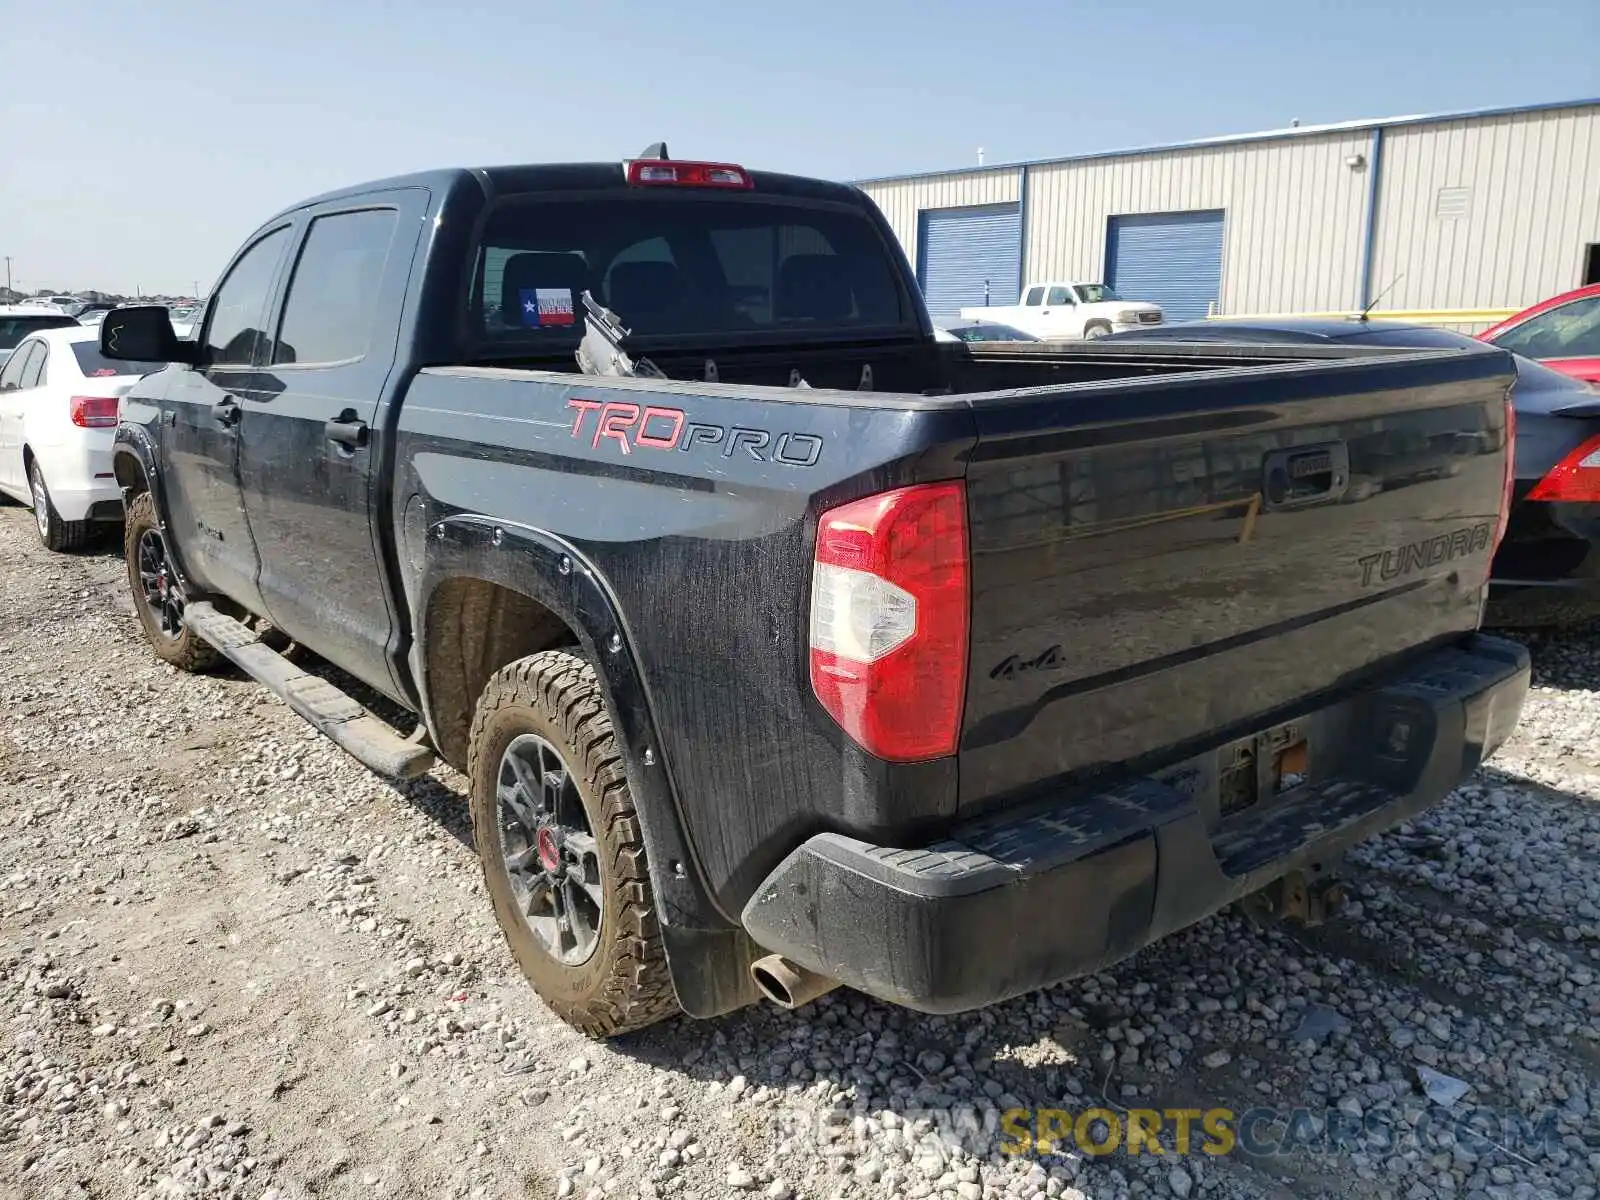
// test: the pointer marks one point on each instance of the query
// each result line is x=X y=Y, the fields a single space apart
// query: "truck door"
x=1060 y=313
x=200 y=425
x=308 y=455
x=1029 y=313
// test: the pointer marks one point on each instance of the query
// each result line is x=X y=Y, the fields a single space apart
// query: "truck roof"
x=524 y=178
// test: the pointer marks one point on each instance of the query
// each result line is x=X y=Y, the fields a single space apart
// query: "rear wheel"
x=158 y=597
x=55 y=533
x=562 y=851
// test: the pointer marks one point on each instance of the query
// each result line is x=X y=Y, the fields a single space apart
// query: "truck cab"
x=1066 y=310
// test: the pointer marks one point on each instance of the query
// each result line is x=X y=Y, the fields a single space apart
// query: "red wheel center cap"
x=549 y=851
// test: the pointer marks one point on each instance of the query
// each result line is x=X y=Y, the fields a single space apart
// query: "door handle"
x=347 y=430
x=1306 y=475
x=227 y=412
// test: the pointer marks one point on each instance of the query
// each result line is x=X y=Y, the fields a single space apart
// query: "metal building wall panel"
x=1533 y=204
x=1173 y=259
x=1294 y=215
x=969 y=257
x=903 y=200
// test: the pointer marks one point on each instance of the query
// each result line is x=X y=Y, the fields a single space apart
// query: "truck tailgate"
x=1162 y=563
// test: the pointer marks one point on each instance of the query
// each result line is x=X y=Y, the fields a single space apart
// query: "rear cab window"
x=683 y=268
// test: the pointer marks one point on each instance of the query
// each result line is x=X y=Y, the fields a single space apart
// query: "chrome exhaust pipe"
x=788 y=984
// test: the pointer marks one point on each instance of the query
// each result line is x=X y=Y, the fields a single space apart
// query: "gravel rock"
x=374 y=1028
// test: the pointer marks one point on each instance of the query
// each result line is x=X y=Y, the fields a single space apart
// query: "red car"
x=1562 y=332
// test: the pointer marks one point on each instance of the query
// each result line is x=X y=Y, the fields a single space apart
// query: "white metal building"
x=1460 y=211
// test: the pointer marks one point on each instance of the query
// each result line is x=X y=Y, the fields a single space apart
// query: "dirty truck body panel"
x=1220 y=614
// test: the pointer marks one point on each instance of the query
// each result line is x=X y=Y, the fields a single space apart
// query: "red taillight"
x=889 y=615
x=656 y=172
x=94 y=412
x=1575 y=478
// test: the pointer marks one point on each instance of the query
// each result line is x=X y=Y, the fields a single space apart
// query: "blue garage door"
x=1170 y=259
x=967 y=257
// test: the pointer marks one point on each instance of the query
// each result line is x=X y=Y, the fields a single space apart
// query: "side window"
x=1060 y=295
x=238 y=311
x=1036 y=296
x=11 y=376
x=1571 y=331
x=333 y=295
x=33 y=375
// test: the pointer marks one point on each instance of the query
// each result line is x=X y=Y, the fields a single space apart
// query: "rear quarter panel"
x=705 y=543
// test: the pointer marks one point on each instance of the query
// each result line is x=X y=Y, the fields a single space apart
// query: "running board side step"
x=370 y=741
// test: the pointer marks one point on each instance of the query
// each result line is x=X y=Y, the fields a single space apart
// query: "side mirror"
x=144 y=333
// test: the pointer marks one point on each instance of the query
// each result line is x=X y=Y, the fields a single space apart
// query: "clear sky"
x=140 y=140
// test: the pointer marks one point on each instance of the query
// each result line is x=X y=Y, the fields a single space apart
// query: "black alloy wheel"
x=549 y=850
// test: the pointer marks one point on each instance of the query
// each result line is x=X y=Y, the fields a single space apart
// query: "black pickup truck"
x=783 y=645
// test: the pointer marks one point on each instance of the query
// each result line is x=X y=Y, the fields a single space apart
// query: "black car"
x=79 y=311
x=989 y=331
x=1547 y=570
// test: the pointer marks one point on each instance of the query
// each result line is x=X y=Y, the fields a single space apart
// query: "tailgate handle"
x=1306 y=475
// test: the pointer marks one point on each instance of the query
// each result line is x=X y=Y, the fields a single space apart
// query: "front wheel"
x=56 y=534
x=562 y=851
x=1096 y=329
x=158 y=596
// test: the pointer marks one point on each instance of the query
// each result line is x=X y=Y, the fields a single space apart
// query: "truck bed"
x=1135 y=590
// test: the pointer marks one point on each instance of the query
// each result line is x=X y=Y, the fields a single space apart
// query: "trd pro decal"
x=660 y=427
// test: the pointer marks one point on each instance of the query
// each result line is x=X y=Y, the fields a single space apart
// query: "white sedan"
x=58 y=413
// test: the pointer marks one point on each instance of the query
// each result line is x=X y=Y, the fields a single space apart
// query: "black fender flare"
x=134 y=442
x=708 y=951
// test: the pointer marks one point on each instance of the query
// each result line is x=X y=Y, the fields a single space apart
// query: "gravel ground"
x=233 y=963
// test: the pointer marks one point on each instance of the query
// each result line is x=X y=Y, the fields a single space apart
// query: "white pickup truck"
x=1056 y=310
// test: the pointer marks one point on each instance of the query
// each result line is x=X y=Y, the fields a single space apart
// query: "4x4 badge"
x=1010 y=668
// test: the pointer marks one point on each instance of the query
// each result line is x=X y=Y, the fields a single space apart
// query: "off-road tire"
x=56 y=534
x=624 y=985
x=1096 y=329
x=188 y=652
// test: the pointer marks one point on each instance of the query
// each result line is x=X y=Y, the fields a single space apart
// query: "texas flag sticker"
x=546 y=306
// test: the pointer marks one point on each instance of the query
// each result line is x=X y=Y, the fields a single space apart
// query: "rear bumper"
x=1018 y=901
x=89 y=500
x=79 y=474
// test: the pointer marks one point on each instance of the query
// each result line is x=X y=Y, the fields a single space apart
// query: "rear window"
x=14 y=329
x=94 y=366
x=681 y=267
